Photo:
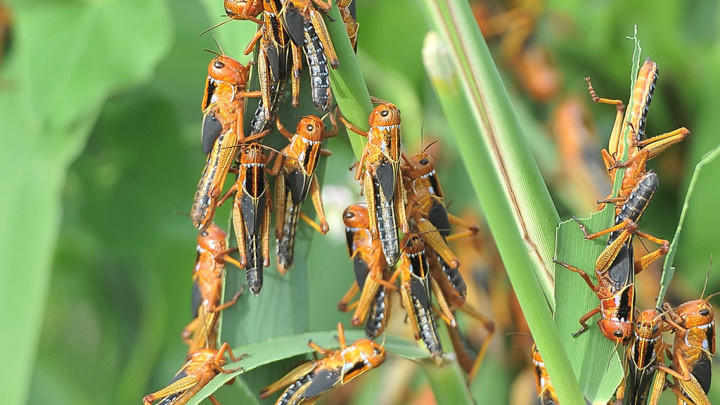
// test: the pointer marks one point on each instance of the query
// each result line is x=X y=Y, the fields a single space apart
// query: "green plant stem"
x=507 y=181
x=348 y=85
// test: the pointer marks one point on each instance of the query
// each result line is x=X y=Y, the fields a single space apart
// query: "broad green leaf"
x=58 y=78
x=593 y=356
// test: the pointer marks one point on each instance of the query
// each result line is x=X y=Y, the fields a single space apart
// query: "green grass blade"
x=511 y=191
x=668 y=269
x=479 y=83
x=276 y=349
x=448 y=383
x=54 y=88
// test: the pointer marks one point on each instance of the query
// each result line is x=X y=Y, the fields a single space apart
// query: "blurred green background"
x=100 y=124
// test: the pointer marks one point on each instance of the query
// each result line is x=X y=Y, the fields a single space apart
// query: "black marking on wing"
x=294 y=23
x=361 y=271
x=209 y=90
x=323 y=381
x=622 y=269
x=273 y=59
x=439 y=218
x=386 y=178
x=295 y=181
x=419 y=291
x=703 y=372
x=197 y=299
x=211 y=130
x=251 y=214
x=353 y=10
x=350 y=241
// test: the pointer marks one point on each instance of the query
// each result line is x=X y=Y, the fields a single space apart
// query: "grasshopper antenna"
x=214 y=26
x=707 y=275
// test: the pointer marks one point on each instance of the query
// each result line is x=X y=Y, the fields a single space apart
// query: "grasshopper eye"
x=424 y=161
x=704 y=312
x=310 y=128
x=618 y=333
x=218 y=64
x=384 y=113
x=247 y=151
x=349 y=214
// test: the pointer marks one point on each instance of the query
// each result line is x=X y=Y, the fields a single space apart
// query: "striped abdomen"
x=254 y=266
x=212 y=180
x=428 y=328
x=642 y=96
x=286 y=244
x=379 y=314
x=318 y=64
x=273 y=71
x=636 y=202
x=454 y=277
x=293 y=393
x=386 y=224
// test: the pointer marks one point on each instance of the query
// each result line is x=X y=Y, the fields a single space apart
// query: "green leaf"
x=59 y=78
x=592 y=355
x=276 y=349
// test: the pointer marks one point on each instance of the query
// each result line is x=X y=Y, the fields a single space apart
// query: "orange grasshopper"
x=298 y=162
x=632 y=124
x=308 y=381
x=693 y=349
x=223 y=106
x=545 y=389
x=616 y=266
x=379 y=167
x=426 y=205
x=365 y=249
x=212 y=254
x=643 y=358
x=251 y=214
x=307 y=29
x=202 y=366
x=415 y=287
